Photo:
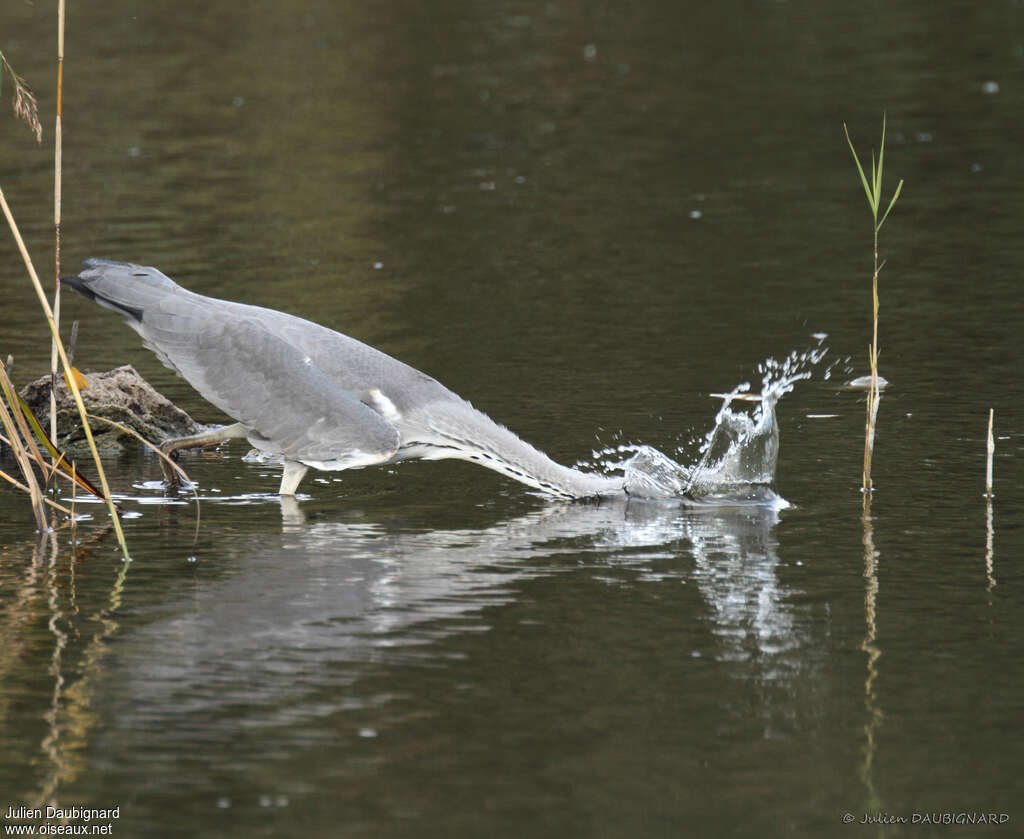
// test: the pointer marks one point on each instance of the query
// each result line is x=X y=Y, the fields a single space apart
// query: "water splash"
x=736 y=463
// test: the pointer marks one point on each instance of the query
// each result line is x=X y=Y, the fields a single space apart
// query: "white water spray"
x=737 y=459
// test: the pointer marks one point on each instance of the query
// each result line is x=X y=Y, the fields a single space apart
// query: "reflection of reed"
x=70 y=717
x=51 y=742
x=990 y=447
x=16 y=627
x=868 y=645
x=15 y=618
x=990 y=571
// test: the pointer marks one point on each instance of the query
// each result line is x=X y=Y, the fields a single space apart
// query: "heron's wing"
x=236 y=362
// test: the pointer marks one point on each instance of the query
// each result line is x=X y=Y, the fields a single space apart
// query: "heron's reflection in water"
x=306 y=607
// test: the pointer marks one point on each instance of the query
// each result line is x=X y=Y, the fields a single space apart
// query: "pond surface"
x=585 y=218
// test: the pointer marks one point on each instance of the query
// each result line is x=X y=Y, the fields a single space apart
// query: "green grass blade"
x=895 y=195
x=878 y=181
x=876 y=176
x=881 y=154
x=860 y=169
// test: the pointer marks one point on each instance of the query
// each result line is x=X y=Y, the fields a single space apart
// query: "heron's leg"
x=291 y=513
x=293 y=473
x=203 y=438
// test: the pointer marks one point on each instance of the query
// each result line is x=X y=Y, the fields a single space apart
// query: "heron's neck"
x=534 y=468
x=465 y=433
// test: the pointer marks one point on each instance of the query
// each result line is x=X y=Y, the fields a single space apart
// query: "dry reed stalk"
x=14 y=482
x=67 y=369
x=57 y=458
x=28 y=429
x=869 y=423
x=48 y=468
x=27 y=439
x=58 y=145
x=871 y=419
x=21 y=454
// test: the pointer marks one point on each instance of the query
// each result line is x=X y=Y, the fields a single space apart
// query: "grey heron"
x=311 y=395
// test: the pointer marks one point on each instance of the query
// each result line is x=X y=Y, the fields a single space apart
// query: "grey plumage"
x=312 y=395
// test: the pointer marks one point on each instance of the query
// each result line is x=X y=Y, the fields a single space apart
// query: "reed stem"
x=873 y=191
x=8 y=419
x=67 y=369
x=58 y=134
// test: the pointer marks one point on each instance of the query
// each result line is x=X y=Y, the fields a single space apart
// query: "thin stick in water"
x=991 y=447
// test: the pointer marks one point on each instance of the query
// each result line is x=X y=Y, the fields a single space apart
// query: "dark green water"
x=584 y=218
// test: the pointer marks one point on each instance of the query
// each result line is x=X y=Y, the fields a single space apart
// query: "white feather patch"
x=384 y=406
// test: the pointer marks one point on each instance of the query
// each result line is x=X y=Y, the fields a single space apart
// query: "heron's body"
x=311 y=395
